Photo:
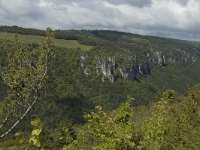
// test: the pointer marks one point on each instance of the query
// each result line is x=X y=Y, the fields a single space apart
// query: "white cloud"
x=173 y=18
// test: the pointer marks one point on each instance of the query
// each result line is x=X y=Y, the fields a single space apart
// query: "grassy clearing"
x=37 y=39
x=139 y=40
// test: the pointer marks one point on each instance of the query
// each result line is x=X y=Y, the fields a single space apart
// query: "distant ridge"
x=59 y=33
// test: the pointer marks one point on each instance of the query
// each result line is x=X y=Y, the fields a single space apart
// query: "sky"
x=167 y=18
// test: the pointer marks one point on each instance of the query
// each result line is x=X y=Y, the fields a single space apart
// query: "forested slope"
x=90 y=68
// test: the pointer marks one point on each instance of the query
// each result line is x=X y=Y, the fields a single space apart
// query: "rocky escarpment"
x=130 y=67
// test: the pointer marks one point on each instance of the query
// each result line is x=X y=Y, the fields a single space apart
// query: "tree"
x=104 y=131
x=156 y=126
x=24 y=75
x=184 y=125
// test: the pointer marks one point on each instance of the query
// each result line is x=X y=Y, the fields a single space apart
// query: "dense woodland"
x=48 y=102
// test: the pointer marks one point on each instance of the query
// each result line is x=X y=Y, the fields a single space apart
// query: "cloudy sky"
x=168 y=18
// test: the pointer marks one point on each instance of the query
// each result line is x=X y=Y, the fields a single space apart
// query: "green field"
x=37 y=39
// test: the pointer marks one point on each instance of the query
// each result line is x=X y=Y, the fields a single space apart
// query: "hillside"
x=105 y=66
x=90 y=68
x=37 y=39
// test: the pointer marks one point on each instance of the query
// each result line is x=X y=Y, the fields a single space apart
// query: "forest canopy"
x=49 y=102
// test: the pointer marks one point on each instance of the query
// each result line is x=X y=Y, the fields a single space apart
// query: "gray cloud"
x=182 y=2
x=136 y=3
x=170 y=18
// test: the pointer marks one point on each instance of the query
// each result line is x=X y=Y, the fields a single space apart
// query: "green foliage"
x=185 y=122
x=123 y=113
x=171 y=123
x=30 y=39
x=24 y=74
x=157 y=124
x=174 y=123
x=36 y=132
x=107 y=132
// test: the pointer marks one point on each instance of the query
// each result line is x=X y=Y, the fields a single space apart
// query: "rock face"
x=83 y=60
x=178 y=56
x=129 y=67
x=161 y=60
x=105 y=67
